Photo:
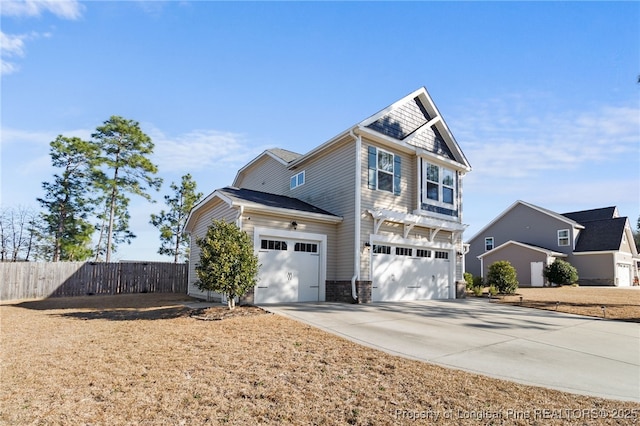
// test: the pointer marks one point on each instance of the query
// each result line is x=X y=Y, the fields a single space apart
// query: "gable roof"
x=601 y=235
x=548 y=212
x=263 y=202
x=413 y=122
x=593 y=214
x=283 y=156
x=250 y=198
x=533 y=247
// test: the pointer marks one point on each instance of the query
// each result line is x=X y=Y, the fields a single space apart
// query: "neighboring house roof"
x=601 y=235
x=593 y=214
x=533 y=247
x=548 y=212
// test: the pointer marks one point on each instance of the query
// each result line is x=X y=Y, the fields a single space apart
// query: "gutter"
x=358 y=207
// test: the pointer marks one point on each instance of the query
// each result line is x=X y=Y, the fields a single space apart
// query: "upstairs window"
x=384 y=170
x=297 y=180
x=488 y=243
x=439 y=185
x=563 y=237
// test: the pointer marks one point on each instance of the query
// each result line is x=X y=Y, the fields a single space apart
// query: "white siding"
x=266 y=175
x=216 y=209
x=330 y=185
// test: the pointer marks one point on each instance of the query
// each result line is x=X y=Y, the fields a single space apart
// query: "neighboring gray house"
x=373 y=214
x=598 y=243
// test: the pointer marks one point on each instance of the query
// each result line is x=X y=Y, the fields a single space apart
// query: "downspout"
x=358 y=207
x=239 y=218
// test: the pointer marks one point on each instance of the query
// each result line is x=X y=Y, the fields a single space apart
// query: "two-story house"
x=597 y=242
x=373 y=214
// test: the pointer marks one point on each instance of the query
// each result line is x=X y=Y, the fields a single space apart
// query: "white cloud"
x=12 y=136
x=66 y=9
x=201 y=149
x=12 y=46
x=526 y=139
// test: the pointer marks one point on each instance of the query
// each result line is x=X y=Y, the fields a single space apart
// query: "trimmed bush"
x=561 y=273
x=503 y=276
x=468 y=278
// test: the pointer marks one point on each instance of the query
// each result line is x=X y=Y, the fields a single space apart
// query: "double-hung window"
x=563 y=237
x=384 y=170
x=439 y=185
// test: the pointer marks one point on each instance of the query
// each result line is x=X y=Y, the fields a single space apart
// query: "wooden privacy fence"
x=61 y=279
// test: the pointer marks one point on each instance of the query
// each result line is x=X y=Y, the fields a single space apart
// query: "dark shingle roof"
x=272 y=200
x=593 y=214
x=601 y=235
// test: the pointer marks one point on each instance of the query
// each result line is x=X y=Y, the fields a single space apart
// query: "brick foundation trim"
x=340 y=291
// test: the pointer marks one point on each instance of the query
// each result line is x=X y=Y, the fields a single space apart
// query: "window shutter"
x=397 y=165
x=373 y=160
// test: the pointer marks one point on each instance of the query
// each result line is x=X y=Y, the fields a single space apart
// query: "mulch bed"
x=217 y=313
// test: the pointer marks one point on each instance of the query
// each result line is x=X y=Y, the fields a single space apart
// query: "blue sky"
x=542 y=97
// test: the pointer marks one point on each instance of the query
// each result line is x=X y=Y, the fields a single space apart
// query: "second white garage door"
x=289 y=271
x=409 y=273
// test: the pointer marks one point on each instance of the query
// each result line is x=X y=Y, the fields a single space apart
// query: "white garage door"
x=624 y=275
x=289 y=271
x=409 y=273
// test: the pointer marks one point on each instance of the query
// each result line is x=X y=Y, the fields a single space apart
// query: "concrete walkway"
x=570 y=353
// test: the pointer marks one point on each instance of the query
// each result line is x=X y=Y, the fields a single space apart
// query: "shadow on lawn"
x=125 y=307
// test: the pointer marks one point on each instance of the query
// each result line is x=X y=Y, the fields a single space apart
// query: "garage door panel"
x=408 y=277
x=274 y=282
x=289 y=271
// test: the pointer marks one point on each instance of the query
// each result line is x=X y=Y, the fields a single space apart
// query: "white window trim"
x=424 y=162
x=378 y=170
x=568 y=237
x=493 y=244
x=293 y=182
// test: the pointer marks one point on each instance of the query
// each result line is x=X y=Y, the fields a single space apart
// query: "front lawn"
x=142 y=359
x=618 y=303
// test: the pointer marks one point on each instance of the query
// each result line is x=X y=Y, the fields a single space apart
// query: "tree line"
x=85 y=207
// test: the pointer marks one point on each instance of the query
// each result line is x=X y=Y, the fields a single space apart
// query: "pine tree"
x=126 y=169
x=174 y=239
x=67 y=203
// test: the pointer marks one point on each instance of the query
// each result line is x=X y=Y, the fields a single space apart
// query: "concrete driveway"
x=570 y=353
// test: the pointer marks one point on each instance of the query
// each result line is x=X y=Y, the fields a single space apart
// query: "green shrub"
x=468 y=277
x=503 y=276
x=493 y=290
x=561 y=273
x=477 y=291
x=228 y=264
x=478 y=282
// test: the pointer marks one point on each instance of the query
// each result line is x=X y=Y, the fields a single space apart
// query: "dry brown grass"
x=142 y=360
x=619 y=303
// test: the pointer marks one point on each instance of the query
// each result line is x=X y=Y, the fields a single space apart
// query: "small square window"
x=297 y=180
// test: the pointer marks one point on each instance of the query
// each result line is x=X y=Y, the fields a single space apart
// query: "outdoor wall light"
x=295 y=225
x=367 y=244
